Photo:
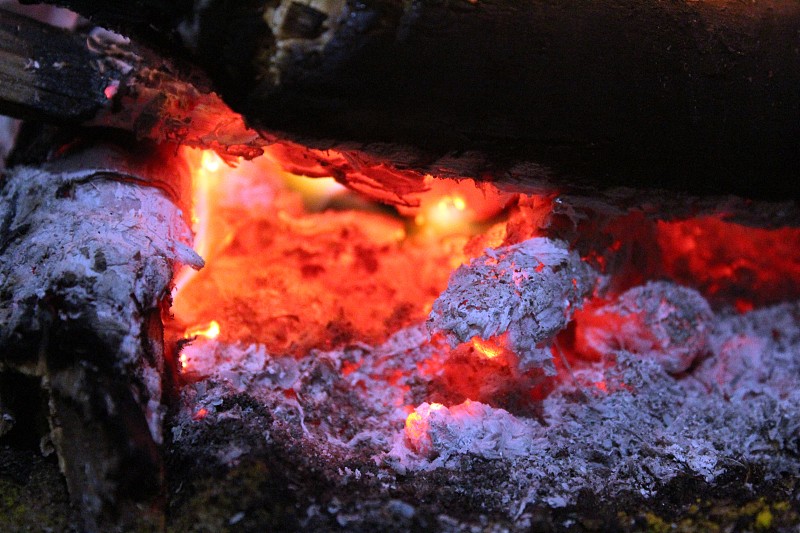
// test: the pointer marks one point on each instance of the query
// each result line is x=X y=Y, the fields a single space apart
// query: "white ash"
x=376 y=391
x=243 y=366
x=435 y=433
x=97 y=249
x=659 y=320
x=528 y=290
x=755 y=354
x=628 y=428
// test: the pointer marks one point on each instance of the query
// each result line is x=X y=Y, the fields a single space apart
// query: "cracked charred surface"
x=695 y=96
x=89 y=246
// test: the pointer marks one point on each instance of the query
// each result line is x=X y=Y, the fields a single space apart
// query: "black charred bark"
x=696 y=96
x=47 y=73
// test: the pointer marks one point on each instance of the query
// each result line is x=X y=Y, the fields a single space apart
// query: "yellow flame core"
x=448 y=214
x=205 y=178
x=486 y=348
x=211 y=161
x=209 y=331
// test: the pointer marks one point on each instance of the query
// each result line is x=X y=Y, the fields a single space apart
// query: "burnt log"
x=102 y=80
x=88 y=247
x=697 y=96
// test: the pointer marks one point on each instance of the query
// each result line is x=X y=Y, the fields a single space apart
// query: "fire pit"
x=400 y=340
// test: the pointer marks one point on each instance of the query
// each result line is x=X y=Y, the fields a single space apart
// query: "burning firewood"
x=527 y=291
x=684 y=95
x=88 y=247
x=101 y=79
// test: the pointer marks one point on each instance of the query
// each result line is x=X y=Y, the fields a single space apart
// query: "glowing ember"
x=418 y=425
x=455 y=206
x=415 y=426
x=659 y=320
x=209 y=331
x=488 y=349
x=728 y=262
x=297 y=263
x=111 y=90
x=434 y=430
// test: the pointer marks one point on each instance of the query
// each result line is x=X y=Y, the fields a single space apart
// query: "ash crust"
x=628 y=441
x=528 y=290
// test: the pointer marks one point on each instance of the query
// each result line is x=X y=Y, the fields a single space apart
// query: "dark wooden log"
x=88 y=247
x=698 y=96
x=101 y=80
x=47 y=73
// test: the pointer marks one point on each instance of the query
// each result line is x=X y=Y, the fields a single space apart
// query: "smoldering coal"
x=629 y=427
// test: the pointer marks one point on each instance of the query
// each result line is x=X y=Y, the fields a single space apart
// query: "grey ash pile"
x=385 y=438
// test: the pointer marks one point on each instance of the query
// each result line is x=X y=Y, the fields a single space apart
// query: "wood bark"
x=88 y=246
x=699 y=96
x=47 y=73
x=100 y=80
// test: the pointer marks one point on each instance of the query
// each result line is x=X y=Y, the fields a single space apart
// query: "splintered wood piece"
x=101 y=79
x=47 y=73
x=88 y=247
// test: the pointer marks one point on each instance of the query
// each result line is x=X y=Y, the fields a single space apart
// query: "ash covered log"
x=698 y=96
x=88 y=246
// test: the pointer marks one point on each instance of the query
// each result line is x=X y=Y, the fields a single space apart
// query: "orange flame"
x=488 y=349
x=455 y=206
x=209 y=331
x=205 y=177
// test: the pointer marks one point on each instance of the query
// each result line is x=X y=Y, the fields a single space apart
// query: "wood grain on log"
x=694 y=96
x=690 y=95
x=88 y=246
x=46 y=72
x=101 y=80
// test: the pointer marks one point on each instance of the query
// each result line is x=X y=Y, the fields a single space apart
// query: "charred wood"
x=102 y=80
x=698 y=96
x=88 y=249
x=46 y=72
